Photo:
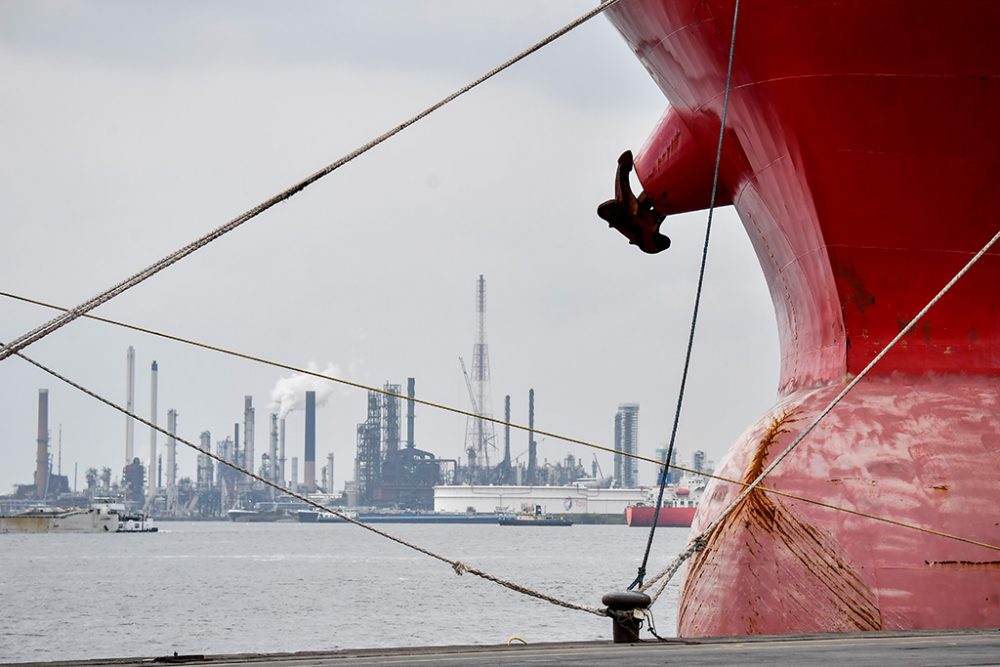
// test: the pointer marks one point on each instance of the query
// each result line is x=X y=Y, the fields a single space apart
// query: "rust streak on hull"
x=777 y=543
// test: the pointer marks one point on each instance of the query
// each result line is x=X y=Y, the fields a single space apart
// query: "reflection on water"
x=236 y=588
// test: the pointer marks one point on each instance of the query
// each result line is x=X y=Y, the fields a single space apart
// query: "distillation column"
x=151 y=487
x=171 y=476
x=129 y=404
x=42 y=451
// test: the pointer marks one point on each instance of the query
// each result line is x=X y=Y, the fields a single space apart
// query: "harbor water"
x=272 y=587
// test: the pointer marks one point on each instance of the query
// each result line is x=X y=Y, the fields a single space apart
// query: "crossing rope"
x=698 y=542
x=44 y=330
x=458 y=566
x=697 y=303
x=522 y=427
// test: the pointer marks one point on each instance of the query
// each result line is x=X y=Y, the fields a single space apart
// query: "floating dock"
x=941 y=648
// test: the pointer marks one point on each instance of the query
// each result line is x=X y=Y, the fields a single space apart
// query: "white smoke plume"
x=289 y=393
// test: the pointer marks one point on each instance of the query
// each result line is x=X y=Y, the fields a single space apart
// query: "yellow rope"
x=466 y=413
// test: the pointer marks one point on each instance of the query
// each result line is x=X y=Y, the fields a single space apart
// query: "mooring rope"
x=522 y=427
x=640 y=575
x=699 y=542
x=40 y=332
x=458 y=566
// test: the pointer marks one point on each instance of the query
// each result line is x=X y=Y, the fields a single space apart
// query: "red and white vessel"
x=862 y=153
x=677 y=510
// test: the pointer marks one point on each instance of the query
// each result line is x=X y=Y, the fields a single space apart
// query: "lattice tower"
x=480 y=436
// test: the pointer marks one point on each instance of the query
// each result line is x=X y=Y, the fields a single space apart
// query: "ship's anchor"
x=635 y=217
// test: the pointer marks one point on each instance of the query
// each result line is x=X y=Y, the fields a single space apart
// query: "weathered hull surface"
x=862 y=154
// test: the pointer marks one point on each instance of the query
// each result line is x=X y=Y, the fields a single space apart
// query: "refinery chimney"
x=309 y=471
x=410 y=393
x=329 y=473
x=151 y=468
x=532 y=453
x=248 y=433
x=273 y=453
x=42 y=451
x=172 y=462
x=129 y=404
x=506 y=430
x=281 y=452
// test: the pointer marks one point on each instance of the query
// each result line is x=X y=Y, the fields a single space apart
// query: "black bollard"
x=621 y=604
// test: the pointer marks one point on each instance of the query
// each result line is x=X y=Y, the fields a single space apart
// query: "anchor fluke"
x=633 y=216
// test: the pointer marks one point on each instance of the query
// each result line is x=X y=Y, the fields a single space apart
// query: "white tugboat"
x=135 y=521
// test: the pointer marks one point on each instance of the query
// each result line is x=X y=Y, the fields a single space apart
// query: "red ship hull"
x=671 y=517
x=862 y=155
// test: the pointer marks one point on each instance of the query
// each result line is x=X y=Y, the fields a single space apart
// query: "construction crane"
x=476 y=410
x=468 y=385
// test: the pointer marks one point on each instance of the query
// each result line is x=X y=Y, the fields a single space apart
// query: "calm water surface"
x=234 y=588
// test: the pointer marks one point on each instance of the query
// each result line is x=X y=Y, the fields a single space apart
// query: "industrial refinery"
x=390 y=472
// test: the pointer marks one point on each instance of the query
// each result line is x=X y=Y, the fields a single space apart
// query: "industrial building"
x=390 y=471
x=627 y=445
x=385 y=474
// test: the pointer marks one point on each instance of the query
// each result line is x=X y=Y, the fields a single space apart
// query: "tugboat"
x=530 y=515
x=135 y=521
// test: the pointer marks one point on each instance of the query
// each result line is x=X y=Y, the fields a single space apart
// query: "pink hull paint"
x=862 y=155
x=917 y=450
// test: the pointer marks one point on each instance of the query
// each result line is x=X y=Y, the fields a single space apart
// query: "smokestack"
x=151 y=487
x=295 y=473
x=273 y=452
x=410 y=394
x=248 y=433
x=42 y=451
x=506 y=429
x=281 y=452
x=532 y=454
x=171 y=462
x=129 y=404
x=237 y=459
x=309 y=477
x=329 y=472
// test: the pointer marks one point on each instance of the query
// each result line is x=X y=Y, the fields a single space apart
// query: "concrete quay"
x=938 y=648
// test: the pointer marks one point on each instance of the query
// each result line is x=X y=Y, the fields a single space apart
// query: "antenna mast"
x=480 y=436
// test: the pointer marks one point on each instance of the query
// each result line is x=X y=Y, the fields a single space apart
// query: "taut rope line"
x=457 y=565
x=697 y=303
x=37 y=334
x=698 y=543
x=459 y=411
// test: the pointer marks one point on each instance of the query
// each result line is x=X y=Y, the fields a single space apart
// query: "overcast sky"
x=131 y=128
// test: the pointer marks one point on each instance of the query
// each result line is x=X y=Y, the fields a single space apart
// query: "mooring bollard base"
x=622 y=606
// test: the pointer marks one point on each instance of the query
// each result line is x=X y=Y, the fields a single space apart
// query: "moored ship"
x=676 y=511
x=60 y=520
x=861 y=153
x=530 y=515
